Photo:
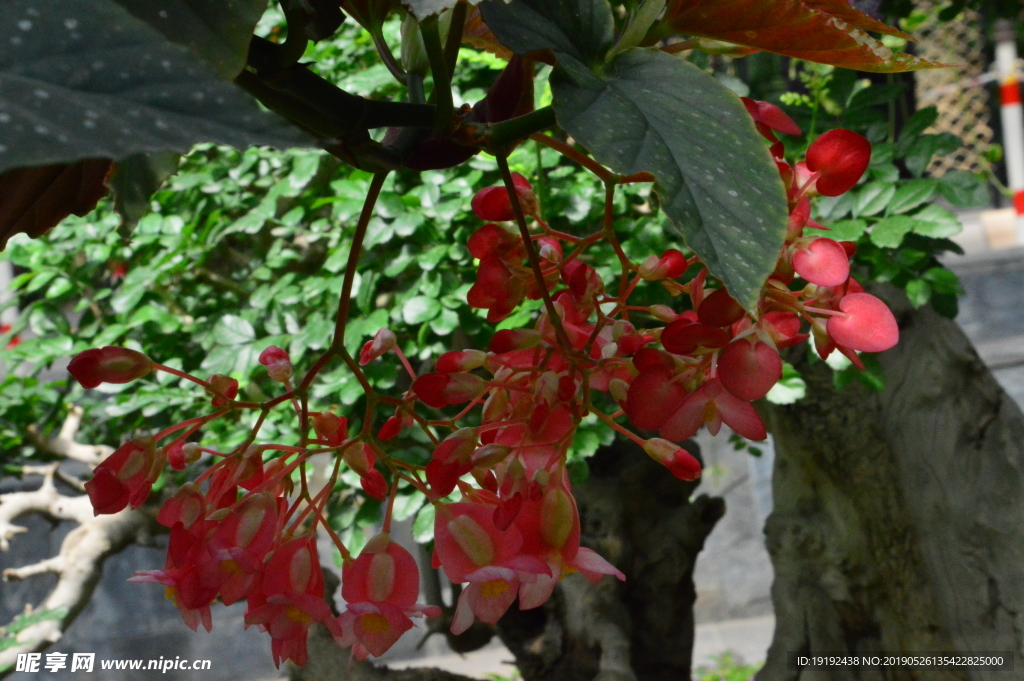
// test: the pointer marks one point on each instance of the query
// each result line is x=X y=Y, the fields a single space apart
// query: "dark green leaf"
x=914 y=128
x=216 y=32
x=965 y=189
x=580 y=29
x=912 y=194
x=86 y=79
x=136 y=179
x=927 y=146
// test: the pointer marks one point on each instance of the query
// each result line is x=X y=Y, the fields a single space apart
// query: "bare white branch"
x=77 y=564
x=64 y=444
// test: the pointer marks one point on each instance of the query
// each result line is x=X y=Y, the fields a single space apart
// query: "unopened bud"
x=383 y=341
x=489 y=455
x=109 y=365
x=467 y=360
x=279 y=366
x=663 y=313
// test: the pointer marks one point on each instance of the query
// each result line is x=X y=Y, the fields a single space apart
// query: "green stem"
x=638 y=27
x=454 y=40
x=388 y=57
x=442 y=93
x=506 y=133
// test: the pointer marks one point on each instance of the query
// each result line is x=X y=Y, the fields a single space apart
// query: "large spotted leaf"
x=650 y=111
x=825 y=31
x=87 y=79
x=216 y=32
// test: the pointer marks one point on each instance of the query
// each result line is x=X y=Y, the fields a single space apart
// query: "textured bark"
x=641 y=519
x=897 y=520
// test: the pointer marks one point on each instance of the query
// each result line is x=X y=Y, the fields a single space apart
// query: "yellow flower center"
x=494 y=588
x=373 y=623
x=296 y=615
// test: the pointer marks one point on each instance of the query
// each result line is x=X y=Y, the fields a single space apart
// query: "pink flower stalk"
x=181 y=576
x=239 y=545
x=550 y=525
x=677 y=460
x=224 y=389
x=381 y=587
x=109 y=365
x=866 y=324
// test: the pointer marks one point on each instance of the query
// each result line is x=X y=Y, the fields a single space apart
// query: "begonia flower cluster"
x=501 y=419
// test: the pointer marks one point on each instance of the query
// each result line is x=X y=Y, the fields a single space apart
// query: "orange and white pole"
x=1013 y=118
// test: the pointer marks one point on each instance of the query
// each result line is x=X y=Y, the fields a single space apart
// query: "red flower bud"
x=494 y=203
x=841 y=156
x=109 y=365
x=279 y=366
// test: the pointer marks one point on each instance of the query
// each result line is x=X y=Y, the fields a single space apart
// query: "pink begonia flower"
x=550 y=526
x=181 y=575
x=381 y=587
x=748 y=368
x=712 y=404
x=822 y=261
x=239 y=545
x=288 y=597
x=472 y=549
x=126 y=476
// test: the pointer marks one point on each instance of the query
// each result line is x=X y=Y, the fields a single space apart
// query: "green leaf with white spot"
x=87 y=79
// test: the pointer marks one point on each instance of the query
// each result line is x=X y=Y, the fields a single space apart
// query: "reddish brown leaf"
x=824 y=31
x=479 y=36
x=34 y=200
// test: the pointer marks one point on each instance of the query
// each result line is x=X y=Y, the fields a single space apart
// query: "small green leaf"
x=873 y=198
x=233 y=330
x=419 y=309
x=889 y=232
x=919 y=292
x=843 y=230
x=423 y=526
x=912 y=194
x=936 y=222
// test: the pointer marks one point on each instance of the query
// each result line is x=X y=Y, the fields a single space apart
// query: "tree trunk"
x=636 y=515
x=897 y=524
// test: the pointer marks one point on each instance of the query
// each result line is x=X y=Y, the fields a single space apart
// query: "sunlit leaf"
x=824 y=31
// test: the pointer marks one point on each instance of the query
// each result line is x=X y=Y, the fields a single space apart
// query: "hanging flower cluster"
x=501 y=419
